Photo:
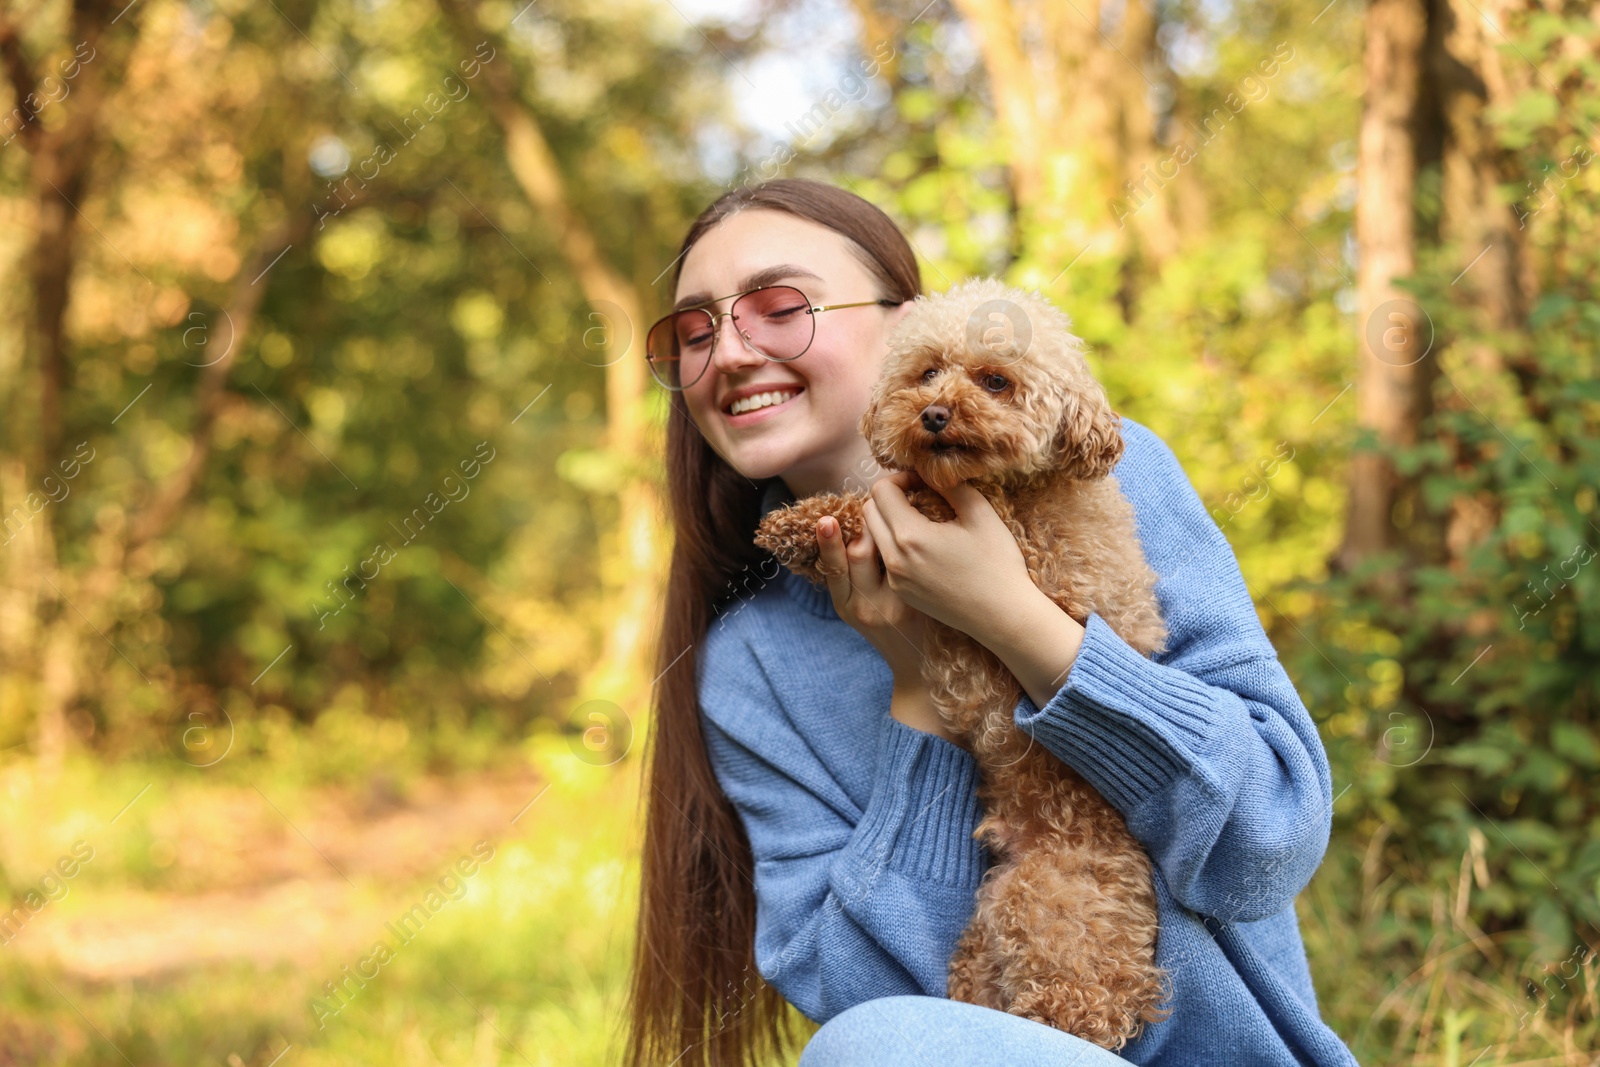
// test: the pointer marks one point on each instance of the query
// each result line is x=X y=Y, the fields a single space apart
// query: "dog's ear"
x=1088 y=441
x=869 y=417
x=868 y=424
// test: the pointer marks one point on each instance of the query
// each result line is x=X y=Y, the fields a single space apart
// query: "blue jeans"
x=935 y=1032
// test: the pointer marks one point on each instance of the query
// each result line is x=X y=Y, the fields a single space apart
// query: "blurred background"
x=331 y=492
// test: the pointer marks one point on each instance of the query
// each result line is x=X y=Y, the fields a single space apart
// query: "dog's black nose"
x=935 y=417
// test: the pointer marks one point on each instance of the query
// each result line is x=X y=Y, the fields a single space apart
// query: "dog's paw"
x=790 y=532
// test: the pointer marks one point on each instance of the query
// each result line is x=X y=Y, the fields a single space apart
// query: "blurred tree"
x=1432 y=75
x=63 y=159
x=1394 y=387
x=61 y=155
x=1464 y=613
x=1072 y=94
x=309 y=290
x=613 y=336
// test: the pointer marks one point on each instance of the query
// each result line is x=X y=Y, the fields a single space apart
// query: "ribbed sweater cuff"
x=923 y=809
x=1129 y=725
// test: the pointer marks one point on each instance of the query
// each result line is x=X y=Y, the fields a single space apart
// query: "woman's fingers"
x=835 y=566
x=965 y=499
x=863 y=556
x=906 y=480
x=851 y=570
x=877 y=527
x=888 y=499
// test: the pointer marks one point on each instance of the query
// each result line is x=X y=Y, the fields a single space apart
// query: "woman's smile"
x=758 y=407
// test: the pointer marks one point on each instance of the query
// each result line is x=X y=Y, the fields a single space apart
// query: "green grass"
x=527 y=966
x=530 y=964
x=1406 y=976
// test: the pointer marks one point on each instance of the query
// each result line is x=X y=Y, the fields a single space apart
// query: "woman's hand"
x=864 y=600
x=969 y=574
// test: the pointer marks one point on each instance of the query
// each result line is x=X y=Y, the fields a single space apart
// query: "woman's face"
x=812 y=439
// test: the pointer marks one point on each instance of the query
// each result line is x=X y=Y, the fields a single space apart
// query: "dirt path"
x=254 y=883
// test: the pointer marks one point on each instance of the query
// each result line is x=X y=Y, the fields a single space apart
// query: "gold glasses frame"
x=658 y=361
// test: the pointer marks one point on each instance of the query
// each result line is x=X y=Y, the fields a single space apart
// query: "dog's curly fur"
x=1065 y=927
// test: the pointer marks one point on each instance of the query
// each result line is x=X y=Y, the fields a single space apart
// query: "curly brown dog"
x=988 y=383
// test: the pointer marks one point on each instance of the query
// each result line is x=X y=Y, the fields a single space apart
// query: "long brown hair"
x=696 y=998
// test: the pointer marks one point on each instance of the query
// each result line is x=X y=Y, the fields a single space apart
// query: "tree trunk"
x=1392 y=380
x=1433 y=69
x=1072 y=109
x=1468 y=71
x=1156 y=221
x=87 y=599
x=632 y=553
x=61 y=157
x=1469 y=74
x=1016 y=95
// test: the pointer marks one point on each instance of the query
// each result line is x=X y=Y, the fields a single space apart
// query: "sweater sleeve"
x=1207 y=749
x=851 y=903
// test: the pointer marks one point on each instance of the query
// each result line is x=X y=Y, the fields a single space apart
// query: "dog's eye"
x=929 y=373
x=996 y=383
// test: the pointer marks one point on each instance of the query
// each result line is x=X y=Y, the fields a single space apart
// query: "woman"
x=809 y=821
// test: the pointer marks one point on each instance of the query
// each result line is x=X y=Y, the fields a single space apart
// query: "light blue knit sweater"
x=861 y=827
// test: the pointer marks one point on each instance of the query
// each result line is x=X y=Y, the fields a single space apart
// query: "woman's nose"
x=730 y=351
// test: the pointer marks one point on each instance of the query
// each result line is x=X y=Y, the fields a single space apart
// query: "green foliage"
x=428 y=323
x=1462 y=671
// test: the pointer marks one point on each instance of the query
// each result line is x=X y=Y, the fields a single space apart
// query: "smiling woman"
x=809 y=832
x=696 y=991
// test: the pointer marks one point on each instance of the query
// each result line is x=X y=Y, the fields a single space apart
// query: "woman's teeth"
x=761 y=400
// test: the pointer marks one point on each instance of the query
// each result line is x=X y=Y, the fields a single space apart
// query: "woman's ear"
x=896 y=314
x=1088 y=440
